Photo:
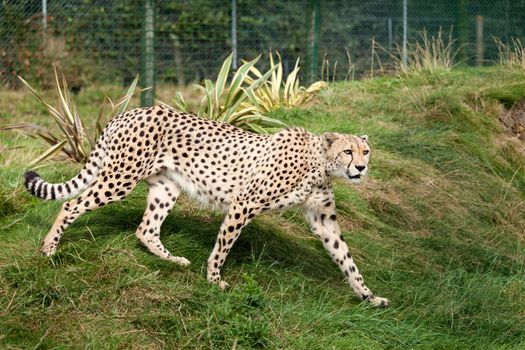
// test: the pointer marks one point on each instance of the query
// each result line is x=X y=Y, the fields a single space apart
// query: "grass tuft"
x=511 y=55
x=431 y=54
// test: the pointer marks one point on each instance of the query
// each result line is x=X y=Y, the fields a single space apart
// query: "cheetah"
x=219 y=165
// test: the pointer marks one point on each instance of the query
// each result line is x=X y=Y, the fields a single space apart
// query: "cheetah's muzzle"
x=354 y=177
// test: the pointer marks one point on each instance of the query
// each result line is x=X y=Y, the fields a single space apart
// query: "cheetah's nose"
x=360 y=167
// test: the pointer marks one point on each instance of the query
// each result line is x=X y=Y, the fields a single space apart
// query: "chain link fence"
x=103 y=40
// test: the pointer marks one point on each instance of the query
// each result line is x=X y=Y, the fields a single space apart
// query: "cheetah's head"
x=347 y=155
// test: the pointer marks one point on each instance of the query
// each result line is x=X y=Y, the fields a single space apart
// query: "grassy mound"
x=438 y=228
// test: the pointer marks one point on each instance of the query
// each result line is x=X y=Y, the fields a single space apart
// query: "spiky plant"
x=228 y=101
x=73 y=140
x=278 y=92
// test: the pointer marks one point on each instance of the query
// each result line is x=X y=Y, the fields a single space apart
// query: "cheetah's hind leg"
x=162 y=195
x=96 y=196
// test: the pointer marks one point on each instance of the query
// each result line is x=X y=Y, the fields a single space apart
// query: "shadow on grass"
x=194 y=236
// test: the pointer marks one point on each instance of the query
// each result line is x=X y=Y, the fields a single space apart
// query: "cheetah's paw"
x=379 y=302
x=179 y=260
x=48 y=249
x=223 y=285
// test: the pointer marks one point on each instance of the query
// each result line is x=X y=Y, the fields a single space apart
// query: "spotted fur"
x=219 y=165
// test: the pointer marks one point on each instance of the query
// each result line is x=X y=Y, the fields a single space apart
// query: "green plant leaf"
x=124 y=101
x=210 y=103
x=238 y=79
x=262 y=80
x=51 y=151
x=290 y=85
x=63 y=93
x=257 y=128
x=277 y=78
x=180 y=103
x=266 y=120
x=221 y=79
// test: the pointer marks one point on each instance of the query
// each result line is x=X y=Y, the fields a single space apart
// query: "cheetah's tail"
x=42 y=189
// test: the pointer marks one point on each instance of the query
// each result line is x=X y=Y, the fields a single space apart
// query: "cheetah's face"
x=347 y=155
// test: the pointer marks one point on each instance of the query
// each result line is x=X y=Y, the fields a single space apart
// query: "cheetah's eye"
x=348 y=151
x=365 y=152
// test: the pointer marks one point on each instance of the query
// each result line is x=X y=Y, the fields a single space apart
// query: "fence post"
x=234 y=33
x=44 y=14
x=405 y=39
x=148 y=54
x=389 y=34
x=313 y=39
x=462 y=29
x=479 y=40
x=179 y=65
x=507 y=20
x=44 y=23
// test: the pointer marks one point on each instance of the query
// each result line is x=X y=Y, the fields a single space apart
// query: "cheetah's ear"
x=364 y=138
x=329 y=138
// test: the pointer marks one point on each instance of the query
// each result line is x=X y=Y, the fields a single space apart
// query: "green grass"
x=438 y=228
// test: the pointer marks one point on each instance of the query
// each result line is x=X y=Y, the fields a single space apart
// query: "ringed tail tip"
x=30 y=177
x=33 y=182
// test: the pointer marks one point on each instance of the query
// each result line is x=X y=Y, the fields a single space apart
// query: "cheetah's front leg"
x=320 y=212
x=237 y=217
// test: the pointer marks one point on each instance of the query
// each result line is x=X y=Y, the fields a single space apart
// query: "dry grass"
x=429 y=53
x=511 y=55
